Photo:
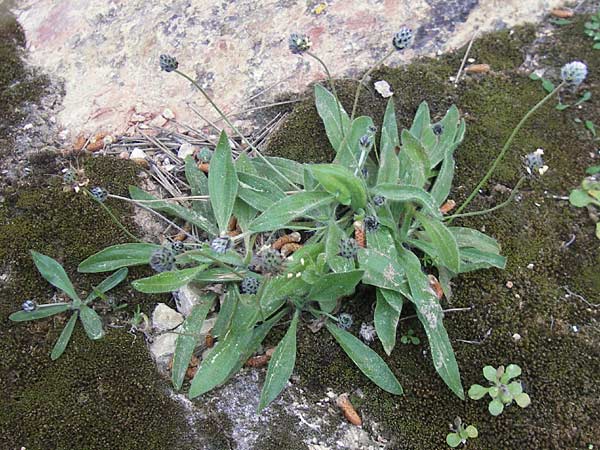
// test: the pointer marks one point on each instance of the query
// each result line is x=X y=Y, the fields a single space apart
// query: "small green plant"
x=588 y=195
x=410 y=338
x=52 y=271
x=592 y=29
x=460 y=433
x=502 y=391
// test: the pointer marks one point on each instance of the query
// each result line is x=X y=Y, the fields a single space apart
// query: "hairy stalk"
x=332 y=86
x=235 y=130
x=486 y=211
x=116 y=220
x=364 y=78
x=507 y=144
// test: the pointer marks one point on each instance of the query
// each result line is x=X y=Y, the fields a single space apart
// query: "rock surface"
x=107 y=52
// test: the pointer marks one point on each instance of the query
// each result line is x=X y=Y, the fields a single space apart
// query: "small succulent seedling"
x=592 y=29
x=410 y=338
x=589 y=193
x=460 y=434
x=52 y=271
x=502 y=390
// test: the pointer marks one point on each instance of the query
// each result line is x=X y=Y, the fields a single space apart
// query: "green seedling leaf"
x=515 y=388
x=332 y=286
x=590 y=126
x=547 y=85
x=64 y=338
x=580 y=198
x=535 y=77
x=117 y=256
x=172 y=209
x=369 y=362
x=329 y=109
x=496 y=407
x=389 y=164
x=593 y=170
x=288 y=209
x=477 y=391
x=222 y=182
x=199 y=186
x=453 y=440
x=188 y=339
x=523 y=400
x=167 y=281
x=430 y=314
x=472 y=431
x=511 y=371
x=281 y=366
x=561 y=107
x=443 y=240
x=489 y=373
x=411 y=194
x=587 y=95
x=108 y=283
x=340 y=182
x=386 y=322
x=54 y=273
x=40 y=312
x=258 y=192
x=91 y=321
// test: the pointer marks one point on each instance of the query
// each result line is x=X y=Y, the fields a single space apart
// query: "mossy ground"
x=558 y=349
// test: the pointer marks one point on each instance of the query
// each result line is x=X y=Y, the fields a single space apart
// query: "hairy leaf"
x=108 y=283
x=329 y=109
x=386 y=321
x=167 y=281
x=117 y=256
x=54 y=273
x=222 y=182
x=64 y=338
x=40 y=312
x=91 y=321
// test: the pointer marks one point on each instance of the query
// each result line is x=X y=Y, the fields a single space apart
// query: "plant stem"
x=235 y=130
x=363 y=79
x=486 y=211
x=507 y=144
x=332 y=86
x=116 y=220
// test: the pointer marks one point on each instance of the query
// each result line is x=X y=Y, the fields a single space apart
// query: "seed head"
x=221 y=244
x=574 y=73
x=28 y=305
x=299 y=43
x=365 y=140
x=534 y=163
x=345 y=321
x=403 y=38
x=365 y=172
x=203 y=155
x=69 y=176
x=371 y=129
x=162 y=260
x=367 y=332
x=177 y=247
x=378 y=200
x=99 y=194
x=371 y=223
x=249 y=285
x=438 y=129
x=348 y=248
x=272 y=261
x=168 y=63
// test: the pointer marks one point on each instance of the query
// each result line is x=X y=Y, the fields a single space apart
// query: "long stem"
x=507 y=144
x=489 y=210
x=332 y=86
x=228 y=122
x=117 y=222
x=363 y=79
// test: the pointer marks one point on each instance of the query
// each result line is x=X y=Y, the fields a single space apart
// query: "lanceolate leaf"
x=117 y=256
x=339 y=181
x=92 y=324
x=40 y=312
x=108 y=283
x=421 y=121
x=430 y=314
x=332 y=286
x=188 y=338
x=389 y=163
x=327 y=107
x=219 y=362
x=409 y=194
x=350 y=151
x=443 y=181
x=258 y=192
x=292 y=170
x=443 y=240
x=173 y=209
x=52 y=271
x=167 y=281
x=288 y=209
x=199 y=186
x=468 y=237
x=281 y=366
x=414 y=162
x=369 y=362
x=386 y=321
x=65 y=336
x=222 y=182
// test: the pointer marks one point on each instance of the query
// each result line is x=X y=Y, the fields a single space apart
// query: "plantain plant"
x=54 y=273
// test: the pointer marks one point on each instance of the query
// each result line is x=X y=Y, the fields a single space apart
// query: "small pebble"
x=530 y=266
x=509 y=284
x=516 y=337
x=168 y=114
x=124 y=155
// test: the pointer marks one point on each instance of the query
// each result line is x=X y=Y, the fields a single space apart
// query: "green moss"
x=559 y=364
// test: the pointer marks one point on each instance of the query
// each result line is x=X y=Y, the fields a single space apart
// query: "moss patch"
x=558 y=345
